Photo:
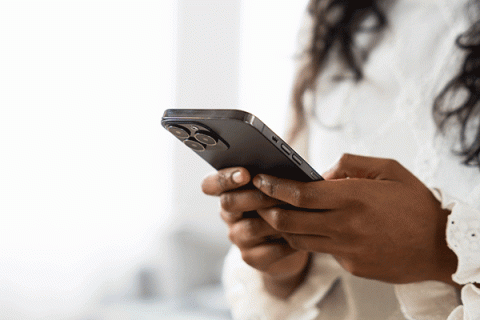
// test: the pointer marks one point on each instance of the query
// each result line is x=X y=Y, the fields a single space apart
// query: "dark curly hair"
x=335 y=24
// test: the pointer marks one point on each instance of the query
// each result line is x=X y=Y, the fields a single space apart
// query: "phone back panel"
x=249 y=143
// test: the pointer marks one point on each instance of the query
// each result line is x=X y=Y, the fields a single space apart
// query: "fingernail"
x=237 y=177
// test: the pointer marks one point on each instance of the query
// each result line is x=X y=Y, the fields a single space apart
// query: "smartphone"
x=234 y=138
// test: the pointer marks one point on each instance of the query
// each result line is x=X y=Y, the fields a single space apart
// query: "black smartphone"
x=234 y=138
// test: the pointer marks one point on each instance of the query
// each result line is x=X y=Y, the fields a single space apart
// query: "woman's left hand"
x=376 y=218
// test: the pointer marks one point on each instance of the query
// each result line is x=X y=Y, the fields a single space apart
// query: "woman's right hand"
x=262 y=247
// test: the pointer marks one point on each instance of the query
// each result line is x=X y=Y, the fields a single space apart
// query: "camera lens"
x=206 y=138
x=195 y=145
x=179 y=131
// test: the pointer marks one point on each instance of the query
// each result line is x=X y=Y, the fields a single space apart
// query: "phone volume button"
x=315 y=175
x=297 y=159
x=286 y=149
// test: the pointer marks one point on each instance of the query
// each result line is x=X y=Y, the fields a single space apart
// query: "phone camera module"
x=206 y=138
x=195 y=145
x=179 y=132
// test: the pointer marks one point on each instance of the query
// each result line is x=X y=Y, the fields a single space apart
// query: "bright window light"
x=84 y=173
x=269 y=41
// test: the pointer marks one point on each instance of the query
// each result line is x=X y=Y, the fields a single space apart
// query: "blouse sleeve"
x=434 y=300
x=249 y=300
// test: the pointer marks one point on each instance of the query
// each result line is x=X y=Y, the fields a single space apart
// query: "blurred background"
x=101 y=213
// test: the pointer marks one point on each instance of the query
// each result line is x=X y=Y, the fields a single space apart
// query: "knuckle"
x=224 y=216
x=345 y=159
x=279 y=219
x=270 y=187
x=390 y=166
x=393 y=162
x=236 y=235
x=260 y=196
x=244 y=232
x=249 y=227
x=301 y=197
x=227 y=201
x=232 y=235
x=352 y=225
x=297 y=197
x=249 y=259
x=222 y=180
x=293 y=241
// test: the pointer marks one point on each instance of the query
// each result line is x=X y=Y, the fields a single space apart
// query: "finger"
x=246 y=200
x=233 y=217
x=313 y=195
x=230 y=217
x=252 y=232
x=313 y=243
x=353 y=166
x=300 y=222
x=225 y=180
x=262 y=257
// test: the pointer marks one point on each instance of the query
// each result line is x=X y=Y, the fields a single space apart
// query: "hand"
x=376 y=218
x=262 y=247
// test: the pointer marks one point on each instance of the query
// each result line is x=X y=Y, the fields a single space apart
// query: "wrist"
x=447 y=260
x=448 y=265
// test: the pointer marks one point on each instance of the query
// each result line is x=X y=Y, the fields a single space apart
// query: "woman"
x=370 y=77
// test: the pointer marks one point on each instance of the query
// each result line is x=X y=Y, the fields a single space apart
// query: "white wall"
x=84 y=179
x=207 y=77
x=269 y=35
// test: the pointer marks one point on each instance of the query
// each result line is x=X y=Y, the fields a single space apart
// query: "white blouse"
x=388 y=114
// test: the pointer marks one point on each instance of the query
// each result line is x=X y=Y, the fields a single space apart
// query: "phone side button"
x=286 y=149
x=297 y=159
x=315 y=175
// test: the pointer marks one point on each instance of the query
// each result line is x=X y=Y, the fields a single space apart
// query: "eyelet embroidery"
x=464 y=236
